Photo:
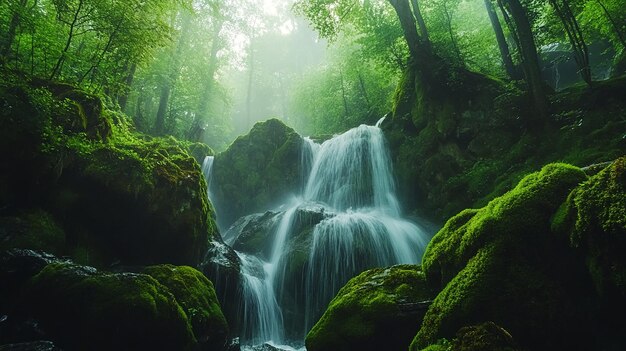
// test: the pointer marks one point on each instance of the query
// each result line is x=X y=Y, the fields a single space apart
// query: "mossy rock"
x=34 y=229
x=81 y=308
x=135 y=201
x=119 y=196
x=502 y=263
x=521 y=214
x=485 y=337
x=198 y=151
x=257 y=170
x=380 y=309
x=593 y=221
x=196 y=295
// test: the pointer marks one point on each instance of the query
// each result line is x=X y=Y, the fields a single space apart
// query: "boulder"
x=115 y=196
x=257 y=171
x=502 y=263
x=84 y=309
x=380 y=309
x=196 y=295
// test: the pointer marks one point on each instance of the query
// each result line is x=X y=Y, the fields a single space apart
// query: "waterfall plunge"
x=350 y=179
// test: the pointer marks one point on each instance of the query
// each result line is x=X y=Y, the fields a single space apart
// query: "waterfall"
x=348 y=194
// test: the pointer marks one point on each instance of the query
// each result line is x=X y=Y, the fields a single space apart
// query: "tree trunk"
x=407 y=22
x=575 y=36
x=59 y=65
x=166 y=88
x=11 y=32
x=364 y=92
x=250 y=80
x=201 y=113
x=123 y=99
x=510 y=68
x=530 y=59
x=616 y=27
x=421 y=24
x=343 y=95
x=455 y=46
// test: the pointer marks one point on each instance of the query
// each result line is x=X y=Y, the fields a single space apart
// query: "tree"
x=503 y=46
x=522 y=32
x=575 y=36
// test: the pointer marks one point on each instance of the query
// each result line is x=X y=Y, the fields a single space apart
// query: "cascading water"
x=350 y=191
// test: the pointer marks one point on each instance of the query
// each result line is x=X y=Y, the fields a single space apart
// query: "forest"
x=279 y=175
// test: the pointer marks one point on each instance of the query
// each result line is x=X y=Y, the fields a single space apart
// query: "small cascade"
x=207 y=167
x=354 y=221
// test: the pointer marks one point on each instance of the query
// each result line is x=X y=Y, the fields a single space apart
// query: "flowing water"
x=350 y=189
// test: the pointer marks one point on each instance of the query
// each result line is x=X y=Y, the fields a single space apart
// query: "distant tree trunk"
x=166 y=87
x=250 y=80
x=364 y=91
x=530 y=58
x=575 y=36
x=11 y=32
x=510 y=68
x=201 y=113
x=59 y=65
x=123 y=99
x=616 y=27
x=343 y=94
x=421 y=24
x=455 y=45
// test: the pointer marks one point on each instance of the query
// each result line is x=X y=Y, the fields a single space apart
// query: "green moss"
x=528 y=206
x=368 y=308
x=257 y=169
x=595 y=218
x=501 y=263
x=196 y=295
x=35 y=230
x=81 y=308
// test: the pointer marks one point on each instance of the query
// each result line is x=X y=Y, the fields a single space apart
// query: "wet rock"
x=31 y=346
x=257 y=171
x=380 y=309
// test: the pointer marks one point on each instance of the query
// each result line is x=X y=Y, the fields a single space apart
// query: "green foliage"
x=365 y=311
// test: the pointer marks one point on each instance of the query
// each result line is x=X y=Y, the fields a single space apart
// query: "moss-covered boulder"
x=502 y=263
x=118 y=196
x=593 y=219
x=380 y=309
x=196 y=295
x=256 y=171
x=81 y=308
x=485 y=337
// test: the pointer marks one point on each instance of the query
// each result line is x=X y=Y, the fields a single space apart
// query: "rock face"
x=111 y=195
x=256 y=171
x=380 y=309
